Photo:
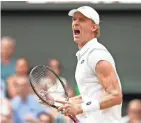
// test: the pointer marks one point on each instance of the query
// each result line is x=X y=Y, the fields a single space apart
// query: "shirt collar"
x=88 y=45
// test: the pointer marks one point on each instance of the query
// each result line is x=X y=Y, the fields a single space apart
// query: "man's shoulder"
x=15 y=101
x=99 y=52
x=17 y=98
x=12 y=63
x=98 y=49
x=32 y=97
x=99 y=46
x=12 y=77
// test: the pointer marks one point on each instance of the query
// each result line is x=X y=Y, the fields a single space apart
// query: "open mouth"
x=76 y=32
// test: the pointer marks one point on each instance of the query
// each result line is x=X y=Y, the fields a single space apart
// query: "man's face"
x=55 y=66
x=134 y=111
x=45 y=119
x=22 y=67
x=82 y=27
x=7 y=48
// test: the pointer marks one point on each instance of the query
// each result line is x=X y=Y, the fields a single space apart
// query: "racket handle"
x=74 y=119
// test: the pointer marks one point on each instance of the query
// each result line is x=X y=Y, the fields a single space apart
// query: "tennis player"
x=101 y=96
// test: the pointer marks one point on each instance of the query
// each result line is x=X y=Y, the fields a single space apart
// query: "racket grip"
x=74 y=119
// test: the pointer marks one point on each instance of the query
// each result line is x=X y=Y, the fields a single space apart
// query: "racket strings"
x=46 y=83
x=38 y=74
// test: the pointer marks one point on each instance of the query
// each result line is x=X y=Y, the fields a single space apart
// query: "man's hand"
x=69 y=108
x=135 y=121
x=76 y=100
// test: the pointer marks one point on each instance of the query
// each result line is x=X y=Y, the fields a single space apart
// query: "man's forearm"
x=77 y=97
x=110 y=99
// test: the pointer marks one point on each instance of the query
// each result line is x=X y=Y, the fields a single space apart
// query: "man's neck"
x=24 y=98
x=22 y=74
x=6 y=60
x=85 y=42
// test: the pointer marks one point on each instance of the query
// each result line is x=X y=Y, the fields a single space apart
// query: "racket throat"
x=54 y=106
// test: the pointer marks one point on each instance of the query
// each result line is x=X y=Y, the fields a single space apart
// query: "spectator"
x=55 y=65
x=6 y=113
x=134 y=112
x=25 y=104
x=7 y=61
x=22 y=69
x=45 y=117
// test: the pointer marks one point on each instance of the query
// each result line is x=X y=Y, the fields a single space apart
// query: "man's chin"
x=76 y=40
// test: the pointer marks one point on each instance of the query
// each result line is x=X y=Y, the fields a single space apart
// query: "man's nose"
x=75 y=23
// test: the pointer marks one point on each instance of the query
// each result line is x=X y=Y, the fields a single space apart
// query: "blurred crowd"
x=19 y=104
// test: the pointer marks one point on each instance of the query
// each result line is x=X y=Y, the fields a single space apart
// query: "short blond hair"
x=8 y=38
x=98 y=31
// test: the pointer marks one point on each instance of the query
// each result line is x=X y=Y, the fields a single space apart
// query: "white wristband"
x=90 y=106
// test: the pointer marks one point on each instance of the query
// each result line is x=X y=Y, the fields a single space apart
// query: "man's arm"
x=113 y=95
x=76 y=99
x=109 y=81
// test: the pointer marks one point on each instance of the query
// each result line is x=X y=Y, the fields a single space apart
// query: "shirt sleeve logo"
x=88 y=103
x=82 y=61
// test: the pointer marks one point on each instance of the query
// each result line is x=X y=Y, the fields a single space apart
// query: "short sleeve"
x=97 y=55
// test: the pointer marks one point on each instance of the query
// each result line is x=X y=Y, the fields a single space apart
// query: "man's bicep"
x=107 y=76
x=109 y=80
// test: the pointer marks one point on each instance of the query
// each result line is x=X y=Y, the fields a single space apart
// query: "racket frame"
x=62 y=83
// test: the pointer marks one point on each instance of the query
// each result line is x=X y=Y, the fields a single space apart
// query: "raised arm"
x=109 y=81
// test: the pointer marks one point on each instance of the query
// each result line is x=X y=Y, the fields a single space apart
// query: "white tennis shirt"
x=90 y=88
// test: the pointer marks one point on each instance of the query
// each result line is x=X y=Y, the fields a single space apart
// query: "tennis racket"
x=47 y=85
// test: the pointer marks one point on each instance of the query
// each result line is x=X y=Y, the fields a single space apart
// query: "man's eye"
x=82 y=19
x=73 y=19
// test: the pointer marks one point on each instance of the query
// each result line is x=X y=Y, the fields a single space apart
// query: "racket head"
x=37 y=74
x=42 y=85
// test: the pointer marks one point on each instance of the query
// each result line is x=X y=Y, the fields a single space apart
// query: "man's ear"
x=94 y=27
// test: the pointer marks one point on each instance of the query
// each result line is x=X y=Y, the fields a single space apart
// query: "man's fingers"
x=64 y=111
x=67 y=105
x=61 y=101
x=60 y=108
